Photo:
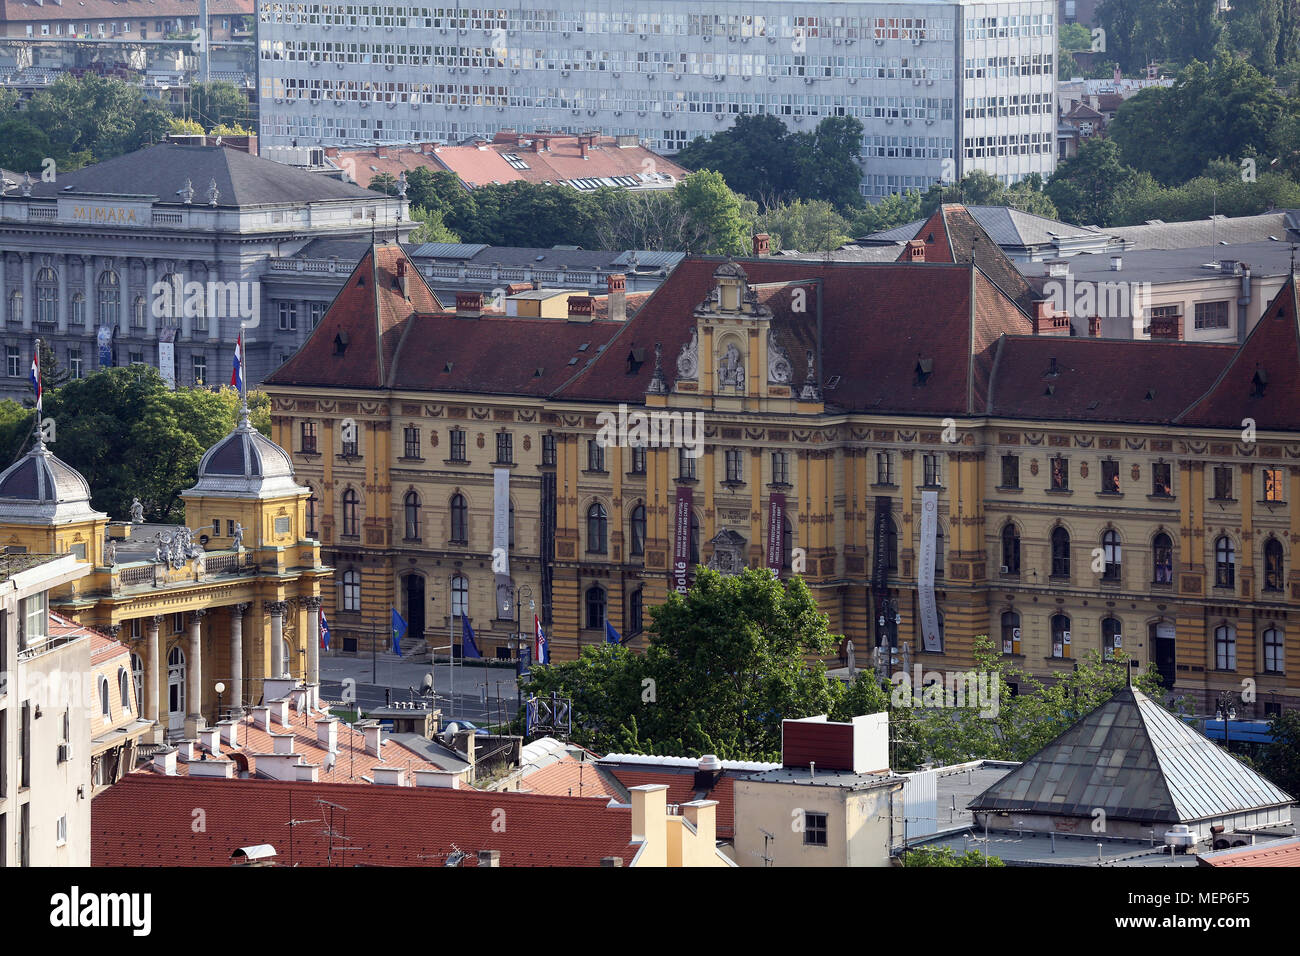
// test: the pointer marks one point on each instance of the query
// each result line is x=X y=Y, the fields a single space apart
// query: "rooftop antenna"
x=36 y=382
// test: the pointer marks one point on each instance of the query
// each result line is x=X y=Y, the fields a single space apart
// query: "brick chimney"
x=469 y=305
x=1047 y=321
x=1167 y=327
x=582 y=145
x=1094 y=327
x=401 y=277
x=489 y=857
x=582 y=308
x=916 y=250
x=762 y=245
x=616 y=288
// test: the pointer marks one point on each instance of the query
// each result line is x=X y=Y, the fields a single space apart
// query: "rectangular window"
x=61 y=831
x=1211 y=315
x=548 y=449
x=348 y=440
x=1162 y=480
x=595 y=455
x=411 y=442
x=14 y=361
x=35 y=620
x=685 y=465
x=1274 y=657
x=884 y=468
x=1060 y=474
x=1010 y=471
x=780 y=468
x=309 y=446
x=505 y=448
x=735 y=465
x=288 y=317
x=1223 y=482
x=814 y=829
x=200 y=369
x=930 y=470
x=638 y=461
x=458 y=444
x=135 y=358
x=74 y=363
x=1273 y=489
x=1110 y=477
x=317 y=312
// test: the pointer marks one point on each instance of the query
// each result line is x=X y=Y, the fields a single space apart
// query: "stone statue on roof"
x=137 y=511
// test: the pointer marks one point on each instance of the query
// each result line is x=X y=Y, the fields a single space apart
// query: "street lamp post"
x=1226 y=713
x=220 y=689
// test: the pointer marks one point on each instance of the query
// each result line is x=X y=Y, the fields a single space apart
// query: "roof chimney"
x=230 y=731
x=1116 y=263
x=390 y=776
x=582 y=308
x=469 y=305
x=916 y=250
x=211 y=738
x=374 y=733
x=164 y=761
x=616 y=289
x=582 y=145
x=1047 y=321
x=401 y=277
x=489 y=857
x=327 y=733
x=1094 y=326
x=762 y=245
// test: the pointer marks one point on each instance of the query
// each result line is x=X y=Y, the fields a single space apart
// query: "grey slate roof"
x=1137 y=762
x=1205 y=232
x=1172 y=265
x=242 y=179
x=1005 y=226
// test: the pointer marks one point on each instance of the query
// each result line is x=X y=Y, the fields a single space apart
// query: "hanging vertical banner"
x=104 y=338
x=680 y=573
x=501 y=540
x=167 y=356
x=933 y=642
x=880 y=557
x=776 y=532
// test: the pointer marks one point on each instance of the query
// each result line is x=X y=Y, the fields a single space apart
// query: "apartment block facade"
x=942 y=89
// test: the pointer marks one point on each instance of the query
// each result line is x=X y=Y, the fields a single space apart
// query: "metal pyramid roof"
x=1136 y=761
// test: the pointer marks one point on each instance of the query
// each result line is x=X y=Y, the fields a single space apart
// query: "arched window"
x=1010 y=632
x=638 y=531
x=1162 y=559
x=460 y=596
x=597 y=526
x=47 y=296
x=1225 y=563
x=1272 y=565
x=15 y=306
x=78 y=309
x=137 y=312
x=124 y=689
x=412 y=507
x=695 y=539
x=103 y=696
x=110 y=298
x=1060 y=635
x=1010 y=549
x=1112 y=637
x=313 y=503
x=137 y=675
x=1060 y=553
x=350 y=522
x=1110 y=553
x=459 y=519
x=1225 y=647
x=1274 y=660
x=595 y=606
x=787 y=554
x=351 y=590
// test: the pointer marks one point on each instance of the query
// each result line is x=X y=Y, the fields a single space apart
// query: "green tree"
x=1254 y=30
x=443 y=193
x=218 y=102
x=1281 y=760
x=431 y=228
x=806 y=225
x=713 y=213
x=384 y=183
x=186 y=126
x=1085 y=188
x=92 y=118
x=754 y=156
x=946 y=856
x=1074 y=37
x=827 y=162
x=894 y=210
x=230 y=129
x=23 y=146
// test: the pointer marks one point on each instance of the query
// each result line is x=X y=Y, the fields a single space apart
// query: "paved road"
x=389 y=678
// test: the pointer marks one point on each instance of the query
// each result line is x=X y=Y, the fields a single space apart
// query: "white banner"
x=167 y=362
x=501 y=540
x=933 y=643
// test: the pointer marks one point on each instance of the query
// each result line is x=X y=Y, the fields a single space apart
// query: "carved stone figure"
x=137 y=511
x=731 y=370
x=110 y=552
x=238 y=544
x=780 y=370
x=688 y=362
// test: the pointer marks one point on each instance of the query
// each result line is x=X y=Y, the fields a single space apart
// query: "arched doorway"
x=175 y=689
x=1162 y=640
x=413 y=587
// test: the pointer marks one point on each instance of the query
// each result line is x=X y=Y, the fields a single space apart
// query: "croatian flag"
x=541 y=653
x=237 y=372
x=324 y=632
x=36 y=374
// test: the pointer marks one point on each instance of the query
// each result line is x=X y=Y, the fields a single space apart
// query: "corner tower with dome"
x=212 y=610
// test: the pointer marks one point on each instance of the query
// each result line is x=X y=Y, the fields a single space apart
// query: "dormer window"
x=340 y=343
x=1258 y=382
x=923 y=370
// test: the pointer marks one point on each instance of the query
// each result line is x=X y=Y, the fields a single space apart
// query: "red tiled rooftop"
x=568 y=778
x=147 y=820
x=681 y=789
x=1277 y=853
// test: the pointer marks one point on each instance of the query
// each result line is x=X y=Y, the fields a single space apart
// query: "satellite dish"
x=428 y=681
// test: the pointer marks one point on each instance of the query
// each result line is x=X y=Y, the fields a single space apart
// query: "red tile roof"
x=1277 y=853
x=146 y=820
x=681 y=789
x=568 y=778
x=102 y=647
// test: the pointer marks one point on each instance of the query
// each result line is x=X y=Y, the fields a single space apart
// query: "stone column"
x=276 y=609
x=194 y=721
x=64 y=292
x=90 y=306
x=313 y=604
x=214 y=320
x=187 y=321
x=124 y=299
x=152 y=690
x=4 y=289
x=150 y=321
x=237 y=660
x=29 y=297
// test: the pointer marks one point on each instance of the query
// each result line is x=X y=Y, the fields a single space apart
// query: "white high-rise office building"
x=942 y=87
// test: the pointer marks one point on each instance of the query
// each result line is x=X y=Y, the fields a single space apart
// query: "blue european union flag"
x=399 y=632
x=469 y=648
x=611 y=635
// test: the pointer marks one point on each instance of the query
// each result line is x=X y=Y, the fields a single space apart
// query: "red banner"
x=679 y=574
x=776 y=533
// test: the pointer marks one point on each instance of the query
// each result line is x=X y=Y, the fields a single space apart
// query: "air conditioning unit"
x=853 y=81
x=838 y=41
x=618 y=112
x=771 y=39
x=1005 y=569
x=617 y=75
x=389 y=67
x=929 y=122
x=929 y=82
x=880 y=41
x=708 y=39
x=916 y=41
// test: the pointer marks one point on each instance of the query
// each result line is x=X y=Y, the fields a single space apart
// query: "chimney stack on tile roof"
x=185 y=750
x=1094 y=326
x=446 y=779
x=469 y=305
x=616 y=288
x=327 y=733
x=390 y=776
x=283 y=743
x=164 y=761
x=582 y=308
x=762 y=245
x=262 y=717
x=489 y=857
x=916 y=250
x=374 y=734
x=211 y=738
x=1047 y=321
x=230 y=731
